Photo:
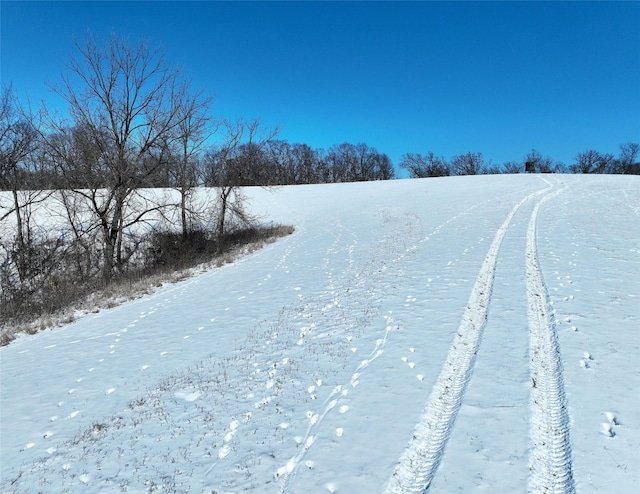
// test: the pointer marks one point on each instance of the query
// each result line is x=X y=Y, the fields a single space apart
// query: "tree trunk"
x=224 y=197
x=183 y=211
x=107 y=267
x=21 y=245
x=112 y=235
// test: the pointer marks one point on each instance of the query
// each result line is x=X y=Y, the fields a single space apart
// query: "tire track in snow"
x=420 y=460
x=550 y=457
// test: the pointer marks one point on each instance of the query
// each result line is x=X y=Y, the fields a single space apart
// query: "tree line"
x=590 y=161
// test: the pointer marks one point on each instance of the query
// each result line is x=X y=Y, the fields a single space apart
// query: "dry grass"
x=184 y=260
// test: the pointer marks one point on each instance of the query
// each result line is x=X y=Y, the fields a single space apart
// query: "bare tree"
x=306 y=164
x=235 y=163
x=468 y=164
x=280 y=163
x=18 y=143
x=357 y=163
x=539 y=163
x=383 y=167
x=592 y=161
x=341 y=162
x=512 y=167
x=425 y=165
x=629 y=159
x=371 y=164
x=185 y=144
x=128 y=101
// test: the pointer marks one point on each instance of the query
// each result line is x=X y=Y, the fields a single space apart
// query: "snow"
x=472 y=334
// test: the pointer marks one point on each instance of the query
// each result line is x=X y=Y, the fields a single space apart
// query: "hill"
x=467 y=333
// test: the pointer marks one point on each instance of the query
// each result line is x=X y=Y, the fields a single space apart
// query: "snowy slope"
x=469 y=334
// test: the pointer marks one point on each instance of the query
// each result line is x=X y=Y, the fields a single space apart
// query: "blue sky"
x=499 y=78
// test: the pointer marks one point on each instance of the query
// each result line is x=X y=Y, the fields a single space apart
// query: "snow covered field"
x=472 y=334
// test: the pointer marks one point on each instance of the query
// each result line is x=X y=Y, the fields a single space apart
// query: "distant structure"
x=530 y=167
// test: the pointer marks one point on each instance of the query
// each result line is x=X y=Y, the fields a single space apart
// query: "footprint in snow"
x=409 y=300
x=311 y=390
x=224 y=451
x=611 y=417
x=233 y=428
x=187 y=395
x=607 y=430
x=585 y=361
x=331 y=487
x=309 y=442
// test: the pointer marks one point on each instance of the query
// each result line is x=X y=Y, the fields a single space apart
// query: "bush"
x=178 y=250
x=51 y=296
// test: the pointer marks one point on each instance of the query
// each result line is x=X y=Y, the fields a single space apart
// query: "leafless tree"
x=308 y=164
x=629 y=159
x=235 y=163
x=592 y=161
x=539 y=163
x=185 y=146
x=357 y=163
x=468 y=164
x=425 y=165
x=126 y=100
x=383 y=167
x=512 y=167
x=281 y=164
x=341 y=161
x=19 y=140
